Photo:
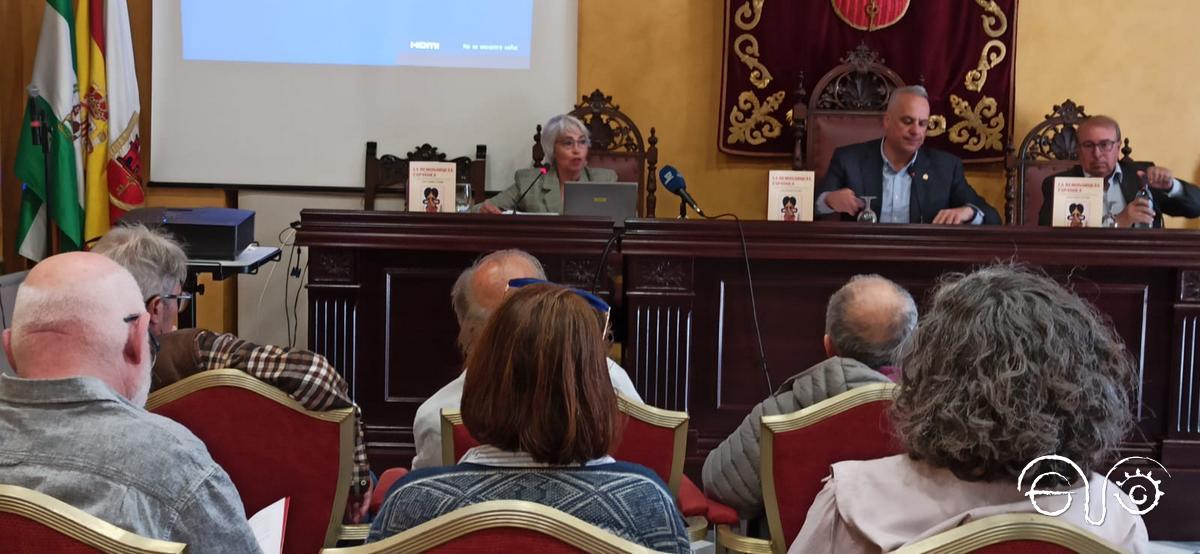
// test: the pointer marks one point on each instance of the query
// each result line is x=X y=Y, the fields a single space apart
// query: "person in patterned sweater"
x=159 y=264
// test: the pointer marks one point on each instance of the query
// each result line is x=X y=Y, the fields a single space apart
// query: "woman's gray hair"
x=156 y=260
x=1007 y=366
x=555 y=127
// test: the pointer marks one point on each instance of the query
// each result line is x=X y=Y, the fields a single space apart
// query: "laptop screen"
x=616 y=201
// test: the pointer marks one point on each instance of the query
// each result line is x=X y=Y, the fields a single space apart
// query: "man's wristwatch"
x=975 y=212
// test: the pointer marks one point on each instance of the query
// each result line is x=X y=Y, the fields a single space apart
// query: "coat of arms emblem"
x=870 y=15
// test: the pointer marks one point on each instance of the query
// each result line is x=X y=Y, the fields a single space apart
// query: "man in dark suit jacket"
x=909 y=183
x=1098 y=138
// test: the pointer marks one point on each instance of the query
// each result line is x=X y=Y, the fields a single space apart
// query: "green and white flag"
x=56 y=91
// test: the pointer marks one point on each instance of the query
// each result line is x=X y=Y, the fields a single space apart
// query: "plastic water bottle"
x=1144 y=192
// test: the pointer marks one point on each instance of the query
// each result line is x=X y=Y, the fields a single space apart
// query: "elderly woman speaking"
x=539 y=190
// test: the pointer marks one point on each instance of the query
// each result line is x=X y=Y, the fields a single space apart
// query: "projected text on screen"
x=462 y=33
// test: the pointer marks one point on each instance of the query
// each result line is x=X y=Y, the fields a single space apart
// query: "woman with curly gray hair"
x=566 y=140
x=1005 y=367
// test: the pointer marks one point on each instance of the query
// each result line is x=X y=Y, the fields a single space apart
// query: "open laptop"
x=616 y=201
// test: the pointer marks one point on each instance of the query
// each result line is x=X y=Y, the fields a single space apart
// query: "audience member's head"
x=157 y=262
x=1007 y=366
x=538 y=380
x=81 y=314
x=480 y=289
x=867 y=319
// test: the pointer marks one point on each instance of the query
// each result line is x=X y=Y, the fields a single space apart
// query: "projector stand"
x=248 y=262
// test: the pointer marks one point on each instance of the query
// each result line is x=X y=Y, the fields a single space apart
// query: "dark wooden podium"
x=379 y=307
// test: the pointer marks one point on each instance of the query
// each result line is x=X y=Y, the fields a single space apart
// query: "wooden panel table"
x=379 y=308
x=691 y=343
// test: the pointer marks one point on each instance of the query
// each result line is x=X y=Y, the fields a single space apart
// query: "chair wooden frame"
x=499 y=514
x=450 y=418
x=997 y=529
x=613 y=133
x=860 y=85
x=388 y=170
x=1053 y=140
x=773 y=424
x=79 y=525
x=344 y=418
x=658 y=417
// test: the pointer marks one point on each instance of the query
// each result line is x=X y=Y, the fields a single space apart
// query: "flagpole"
x=41 y=139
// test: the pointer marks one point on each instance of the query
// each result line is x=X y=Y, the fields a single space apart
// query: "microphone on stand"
x=674 y=182
x=35 y=117
x=913 y=196
x=541 y=173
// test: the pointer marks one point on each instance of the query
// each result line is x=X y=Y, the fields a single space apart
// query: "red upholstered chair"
x=846 y=107
x=500 y=526
x=1013 y=534
x=271 y=447
x=798 y=448
x=456 y=439
x=36 y=523
x=1050 y=147
x=617 y=144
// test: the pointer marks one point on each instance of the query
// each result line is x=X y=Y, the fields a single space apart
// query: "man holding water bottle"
x=1136 y=194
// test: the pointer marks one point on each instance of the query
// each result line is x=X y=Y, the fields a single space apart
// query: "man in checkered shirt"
x=159 y=265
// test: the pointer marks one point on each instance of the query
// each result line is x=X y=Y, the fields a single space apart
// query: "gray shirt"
x=80 y=442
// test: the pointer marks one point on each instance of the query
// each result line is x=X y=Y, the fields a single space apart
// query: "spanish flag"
x=108 y=85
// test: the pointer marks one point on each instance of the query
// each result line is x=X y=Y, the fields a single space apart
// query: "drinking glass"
x=867 y=215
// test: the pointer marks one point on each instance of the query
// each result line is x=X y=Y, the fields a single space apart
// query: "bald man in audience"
x=865 y=322
x=73 y=424
x=479 y=290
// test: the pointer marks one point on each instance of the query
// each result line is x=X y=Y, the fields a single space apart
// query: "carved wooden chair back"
x=617 y=144
x=846 y=107
x=35 y=522
x=392 y=171
x=1050 y=147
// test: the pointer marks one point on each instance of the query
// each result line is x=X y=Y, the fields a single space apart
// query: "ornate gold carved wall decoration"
x=746 y=48
x=937 y=126
x=747 y=16
x=995 y=23
x=973 y=130
x=751 y=120
x=993 y=53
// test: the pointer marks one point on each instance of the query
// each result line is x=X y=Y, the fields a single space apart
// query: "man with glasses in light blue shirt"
x=909 y=183
x=1098 y=139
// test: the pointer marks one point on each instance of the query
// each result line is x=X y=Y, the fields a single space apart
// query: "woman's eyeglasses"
x=594 y=301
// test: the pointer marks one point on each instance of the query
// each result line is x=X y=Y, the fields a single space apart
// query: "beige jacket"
x=881 y=505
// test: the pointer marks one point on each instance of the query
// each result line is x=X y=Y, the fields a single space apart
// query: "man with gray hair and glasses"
x=479 y=290
x=865 y=322
x=159 y=265
x=908 y=183
x=1099 y=142
x=73 y=423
